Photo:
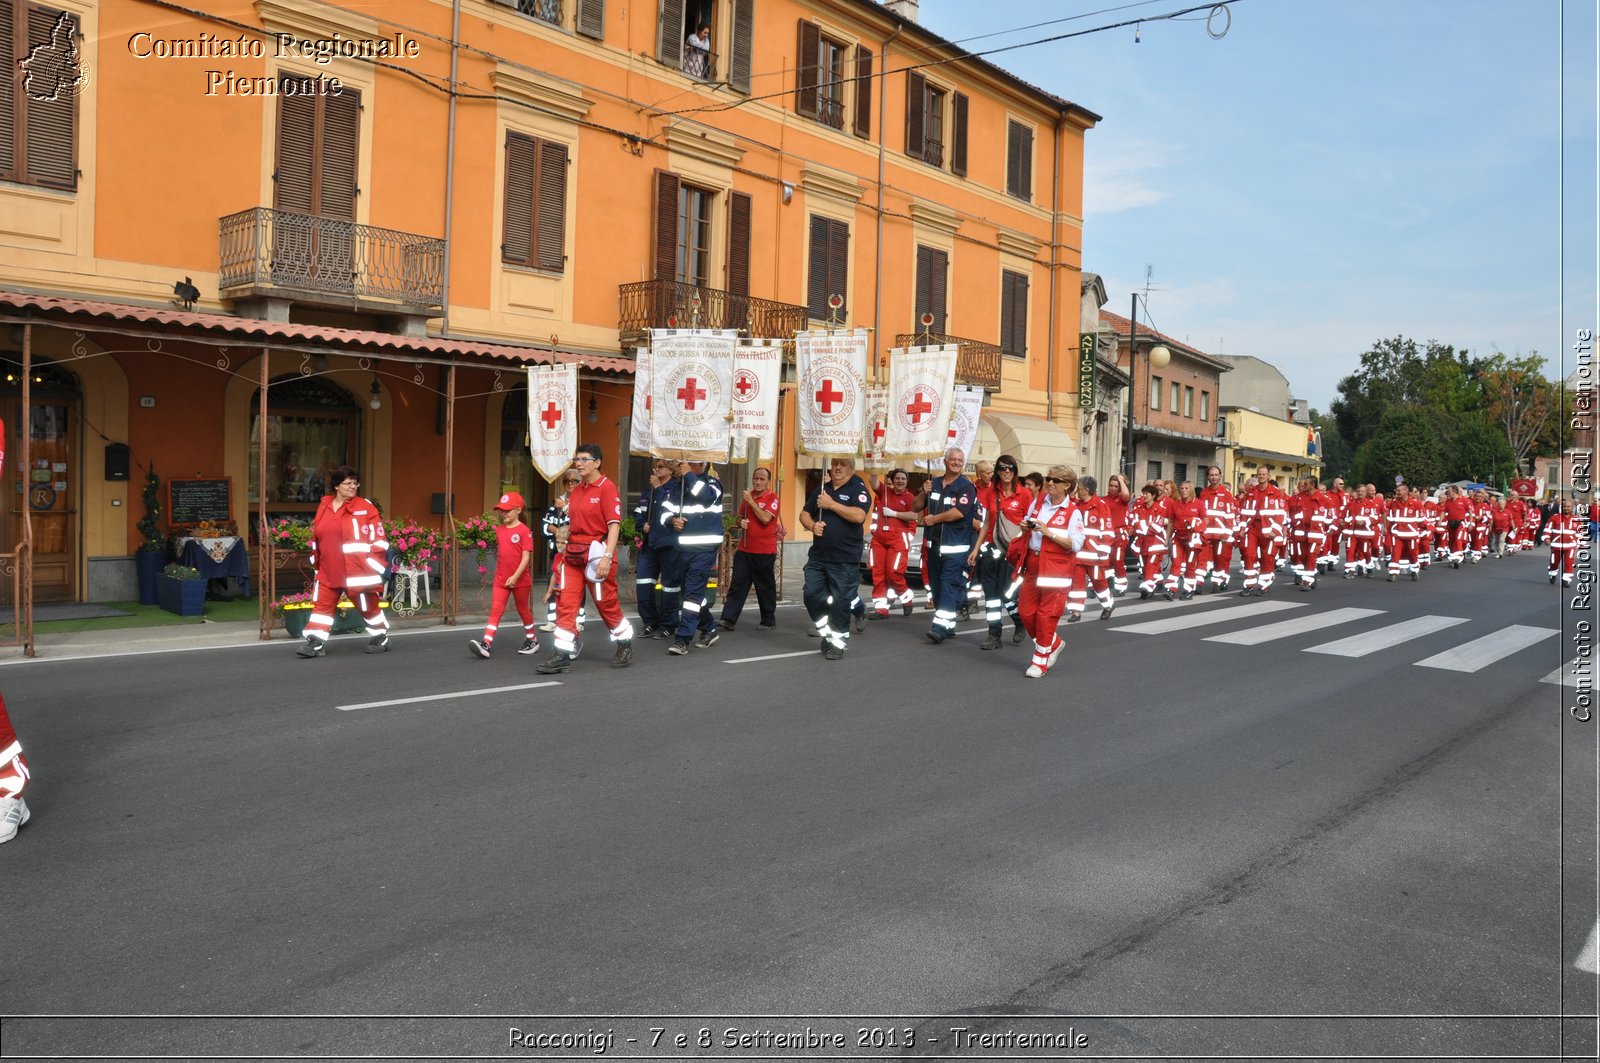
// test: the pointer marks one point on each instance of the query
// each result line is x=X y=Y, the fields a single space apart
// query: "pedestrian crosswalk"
x=1470 y=656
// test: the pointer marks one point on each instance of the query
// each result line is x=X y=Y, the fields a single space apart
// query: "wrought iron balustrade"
x=268 y=248
x=645 y=305
x=977 y=363
x=699 y=62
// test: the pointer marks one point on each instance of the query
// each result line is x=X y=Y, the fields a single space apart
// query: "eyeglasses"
x=572 y=483
x=1053 y=480
x=581 y=457
x=1005 y=468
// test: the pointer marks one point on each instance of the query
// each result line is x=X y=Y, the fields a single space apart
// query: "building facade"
x=1177 y=433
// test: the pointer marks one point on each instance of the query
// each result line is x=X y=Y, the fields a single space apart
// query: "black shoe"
x=1390 y=578
x=832 y=653
x=1143 y=594
x=1186 y=596
x=1074 y=618
x=662 y=633
x=1552 y=580
x=1019 y=634
x=624 y=655
x=706 y=640
x=312 y=648
x=529 y=647
x=935 y=638
x=992 y=642
x=479 y=649
x=555 y=665
x=1415 y=576
x=1297 y=579
x=964 y=613
x=1169 y=596
x=725 y=624
x=378 y=644
x=861 y=622
x=679 y=648
x=648 y=631
x=766 y=627
x=906 y=609
x=1105 y=614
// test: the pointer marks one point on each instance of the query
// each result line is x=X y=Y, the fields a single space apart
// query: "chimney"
x=906 y=9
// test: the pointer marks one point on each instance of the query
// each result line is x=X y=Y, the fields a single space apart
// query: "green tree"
x=1521 y=403
x=1405 y=444
x=1398 y=374
x=1338 y=456
x=1476 y=449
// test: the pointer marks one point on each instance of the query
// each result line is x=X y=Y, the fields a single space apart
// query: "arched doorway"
x=50 y=488
x=313 y=427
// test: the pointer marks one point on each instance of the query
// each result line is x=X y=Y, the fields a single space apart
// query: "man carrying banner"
x=949 y=502
x=590 y=557
x=835 y=516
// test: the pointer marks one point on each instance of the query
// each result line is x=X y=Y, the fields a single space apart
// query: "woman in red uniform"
x=1012 y=500
x=1153 y=522
x=1188 y=517
x=349 y=555
x=1053 y=531
x=1118 y=498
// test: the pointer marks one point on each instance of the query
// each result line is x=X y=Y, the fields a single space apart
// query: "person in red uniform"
x=13 y=779
x=1219 y=527
x=1265 y=512
x=1054 y=531
x=755 y=561
x=349 y=555
x=1339 y=504
x=1305 y=541
x=513 y=577
x=1482 y=524
x=1408 y=533
x=894 y=524
x=1363 y=522
x=1188 y=518
x=1562 y=533
x=1499 y=525
x=595 y=512
x=1094 y=555
x=1118 y=499
x=1455 y=508
x=1154 y=521
x=1012 y=500
x=1436 y=543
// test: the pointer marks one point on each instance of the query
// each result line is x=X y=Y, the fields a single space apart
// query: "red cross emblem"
x=877 y=433
x=917 y=407
x=551 y=416
x=690 y=394
x=827 y=395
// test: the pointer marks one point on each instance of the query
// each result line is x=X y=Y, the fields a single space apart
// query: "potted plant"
x=181 y=590
x=295 y=610
x=153 y=547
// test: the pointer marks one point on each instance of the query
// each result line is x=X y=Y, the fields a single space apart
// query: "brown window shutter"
x=742 y=44
x=666 y=250
x=817 y=272
x=516 y=242
x=1013 y=157
x=8 y=90
x=552 y=205
x=51 y=149
x=958 y=134
x=297 y=122
x=1019 y=313
x=923 y=297
x=669 y=44
x=738 y=246
x=1025 y=155
x=839 y=264
x=341 y=128
x=916 y=119
x=939 y=289
x=807 y=51
x=591 y=19
x=1007 y=328
x=863 y=115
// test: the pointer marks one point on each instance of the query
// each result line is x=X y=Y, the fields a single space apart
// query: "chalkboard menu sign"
x=193 y=501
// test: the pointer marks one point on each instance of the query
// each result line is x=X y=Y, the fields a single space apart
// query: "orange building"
x=184 y=195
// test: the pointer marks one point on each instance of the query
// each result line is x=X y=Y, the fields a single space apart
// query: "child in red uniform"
x=512 y=579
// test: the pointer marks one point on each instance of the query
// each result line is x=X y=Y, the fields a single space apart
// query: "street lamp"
x=1157 y=357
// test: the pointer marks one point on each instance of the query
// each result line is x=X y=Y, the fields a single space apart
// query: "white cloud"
x=1123 y=175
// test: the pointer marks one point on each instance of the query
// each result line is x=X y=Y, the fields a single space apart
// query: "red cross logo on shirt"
x=917 y=407
x=690 y=394
x=550 y=416
x=827 y=395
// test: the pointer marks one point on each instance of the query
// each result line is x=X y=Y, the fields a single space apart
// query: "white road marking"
x=774 y=657
x=1210 y=616
x=1480 y=653
x=1299 y=625
x=446 y=697
x=1385 y=637
x=1573 y=673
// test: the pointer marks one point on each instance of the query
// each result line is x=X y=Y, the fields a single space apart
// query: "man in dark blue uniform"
x=658 y=553
x=836 y=516
x=697 y=515
x=948 y=503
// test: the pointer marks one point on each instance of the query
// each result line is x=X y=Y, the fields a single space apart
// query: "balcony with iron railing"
x=977 y=363
x=265 y=252
x=645 y=305
x=700 y=63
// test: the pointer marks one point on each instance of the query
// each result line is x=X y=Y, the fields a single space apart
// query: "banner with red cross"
x=831 y=366
x=921 y=380
x=691 y=389
x=639 y=437
x=875 y=430
x=552 y=417
x=757 y=372
x=966 y=409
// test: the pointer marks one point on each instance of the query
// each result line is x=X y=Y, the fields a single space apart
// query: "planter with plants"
x=153 y=545
x=295 y=610
x=181 y=590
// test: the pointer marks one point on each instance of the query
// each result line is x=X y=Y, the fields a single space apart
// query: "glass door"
x=48 y=491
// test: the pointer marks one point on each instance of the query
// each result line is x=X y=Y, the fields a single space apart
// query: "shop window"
x=312 y=429
x=1152 y=470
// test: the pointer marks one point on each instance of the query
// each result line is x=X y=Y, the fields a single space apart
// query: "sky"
x=1330 y=173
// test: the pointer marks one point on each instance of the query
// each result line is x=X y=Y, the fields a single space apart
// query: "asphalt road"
x=1334 y=845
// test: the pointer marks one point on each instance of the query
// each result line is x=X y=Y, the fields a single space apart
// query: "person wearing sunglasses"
x=1055 y=533
x=1010 y=502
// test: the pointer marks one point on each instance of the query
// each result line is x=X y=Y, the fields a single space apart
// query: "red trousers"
x=1404 y=552
x=521 y=595
x=1260 y=558
x=1040 y=612
x=1216 y=556
x=1360 y=550
x=325 y=602
x=1561 y=560
x=13 y=766
x=889 y=557
x=604 y=594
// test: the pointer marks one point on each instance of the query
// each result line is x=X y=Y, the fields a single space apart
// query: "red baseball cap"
x=509 y=500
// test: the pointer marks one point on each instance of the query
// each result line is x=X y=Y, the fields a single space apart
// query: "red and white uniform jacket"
x=347 y=545
x=1430 y=515
x=1220 y=511
x=1098 y=532
x=1147 y=524
x=1055 y=565
x=1409 y=520
x=894 y=531
x=1518 y=512
x=1326 y=511
x=1483 y=514
x=1561 y=531
x=1302 y=505
x=1342 y=502
x=1117 y=506
x=1265 y=511
x=1366 y=518
x=1009 y=511
x=1187 y=520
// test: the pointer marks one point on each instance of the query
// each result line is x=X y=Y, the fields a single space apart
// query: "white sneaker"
x=548 y=625
x=13 y=814
x=1061 y=644
x=1034 y=672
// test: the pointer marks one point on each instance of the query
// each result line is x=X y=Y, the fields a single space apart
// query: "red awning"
x=284 y=334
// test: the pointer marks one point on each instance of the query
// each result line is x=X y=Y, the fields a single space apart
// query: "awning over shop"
x=1035 y=442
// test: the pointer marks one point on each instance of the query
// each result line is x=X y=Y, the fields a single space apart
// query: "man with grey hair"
x=835 y=516
x=948 y=503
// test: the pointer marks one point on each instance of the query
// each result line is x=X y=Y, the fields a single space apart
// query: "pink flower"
x=482 y=570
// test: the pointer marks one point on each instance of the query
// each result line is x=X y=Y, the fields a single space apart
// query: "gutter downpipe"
x=1055 y=216
x=450 y=158
x=883 y=131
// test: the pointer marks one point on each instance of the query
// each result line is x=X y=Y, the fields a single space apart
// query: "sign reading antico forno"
x=1087 y=342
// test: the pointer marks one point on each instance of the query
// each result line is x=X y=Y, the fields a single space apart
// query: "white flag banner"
x=876 y=428
x=691 y=378
x=832 y=370
x=552 y=417
x=639 y=427
x=963 y=429
x=757 y=372
x=922 y=383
